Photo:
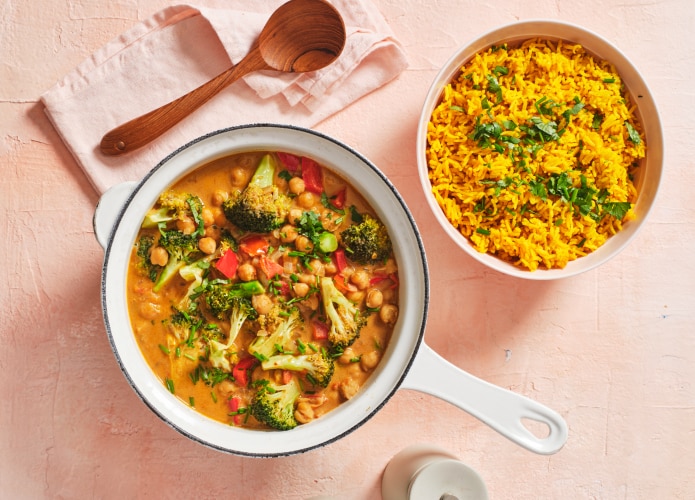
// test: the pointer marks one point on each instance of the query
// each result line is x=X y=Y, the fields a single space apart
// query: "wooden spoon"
x=300 y=36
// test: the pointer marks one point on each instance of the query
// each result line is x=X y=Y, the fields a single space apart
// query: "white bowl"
x=649 y=173
x=407 y=362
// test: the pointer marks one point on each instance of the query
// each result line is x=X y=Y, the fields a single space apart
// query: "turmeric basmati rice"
x=531 y=152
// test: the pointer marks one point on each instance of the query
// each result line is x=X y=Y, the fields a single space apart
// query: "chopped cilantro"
x=632 y=134
x=493 y=86
x=597 y=120
x=616 y=209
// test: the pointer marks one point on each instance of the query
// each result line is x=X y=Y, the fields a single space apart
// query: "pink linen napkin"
x=180 y=48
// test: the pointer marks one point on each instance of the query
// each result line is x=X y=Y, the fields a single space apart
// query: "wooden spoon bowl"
x=302 y=36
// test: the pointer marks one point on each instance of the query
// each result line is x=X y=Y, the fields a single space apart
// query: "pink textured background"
x=612 y=350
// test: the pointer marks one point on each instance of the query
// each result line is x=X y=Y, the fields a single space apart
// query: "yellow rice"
x=487 y=195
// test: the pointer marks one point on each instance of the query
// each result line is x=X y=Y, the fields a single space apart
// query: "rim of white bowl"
x=402 y=348
x=649 y=176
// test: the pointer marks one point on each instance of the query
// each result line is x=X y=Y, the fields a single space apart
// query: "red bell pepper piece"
x=338 y=200
x=254 y=245
x=290 y=162
x=234 y=404
x=339 y=259
x=227 y=264
x=240 y=372
x=282 y=287
x=342 y=284
x=320 y=330
x=270 y=267
x=378 y=278
x=311 y=173
x=394 y=278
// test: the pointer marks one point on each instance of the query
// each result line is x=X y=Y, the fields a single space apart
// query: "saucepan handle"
x=501 y=409
x=108 y=209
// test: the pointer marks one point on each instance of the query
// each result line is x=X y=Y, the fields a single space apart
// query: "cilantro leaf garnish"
x=632 y=134
x=617 y=209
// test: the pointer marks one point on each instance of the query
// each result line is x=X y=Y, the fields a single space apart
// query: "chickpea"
x=149 y=310
x=300 y=289
x=330 y=268
x=207 y=245
x=262 y=303
x=307 y=278
x=295 y=215
x=290 y=263
x=390 y=295
x=303 y=244
x=208 y=217
x=360 y=278
x=220 y=218
x=369 y=360
x=356 y=296
x=374 y=298
x=239 y=176
x=317 y=268
x=159 y=256
x=288 y=233
x=347 y=388
x=347 y=356
x=354 y=370
x=213 y=232
x=306 y=199
x=388 y=267
x=304 y=412
x=388 y=314
x=218 y=198
x=311 y=302
x=296 y=185
x=246 y=272
x=186 y=225
x=226 y=388
x=330 y=220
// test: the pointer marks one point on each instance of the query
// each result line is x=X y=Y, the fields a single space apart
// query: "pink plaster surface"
x=613 y=350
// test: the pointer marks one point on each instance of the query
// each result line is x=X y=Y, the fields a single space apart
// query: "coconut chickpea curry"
x=262 y=290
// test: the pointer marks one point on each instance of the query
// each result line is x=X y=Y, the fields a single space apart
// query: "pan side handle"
x=109 y=207
x=501 y=409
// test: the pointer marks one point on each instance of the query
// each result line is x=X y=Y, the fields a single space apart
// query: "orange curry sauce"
x=224 y=390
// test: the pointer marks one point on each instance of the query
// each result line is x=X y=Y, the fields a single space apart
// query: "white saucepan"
x=408 y=363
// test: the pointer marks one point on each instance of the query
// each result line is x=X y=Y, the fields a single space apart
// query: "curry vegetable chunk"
x=257 y=293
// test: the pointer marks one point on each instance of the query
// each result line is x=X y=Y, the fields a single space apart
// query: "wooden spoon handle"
x=144 y=129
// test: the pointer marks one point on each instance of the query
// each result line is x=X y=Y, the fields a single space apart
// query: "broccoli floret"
x=260 y=207
x=227 y=242
x=318 y=366
x=144 y=245
x=367 y=242
x=284 y=322
x=221 y=297
x=184 y=325
x=345 y=317
x=239 y=311
x=156 y=216
x=180 y=247
x=174 y=205
x=274 y=405
x=195 y=274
